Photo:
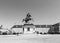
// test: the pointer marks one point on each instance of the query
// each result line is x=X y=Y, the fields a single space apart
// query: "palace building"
x=32 y=28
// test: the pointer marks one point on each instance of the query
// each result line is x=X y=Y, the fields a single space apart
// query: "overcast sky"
x=42 y=11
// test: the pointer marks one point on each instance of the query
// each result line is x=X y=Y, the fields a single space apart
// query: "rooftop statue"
x=27 y=19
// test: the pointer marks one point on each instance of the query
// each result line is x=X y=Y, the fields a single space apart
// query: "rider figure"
x=28 y=18
x=28 y=15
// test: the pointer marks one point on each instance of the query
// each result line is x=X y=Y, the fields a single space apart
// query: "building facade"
x=30 y=28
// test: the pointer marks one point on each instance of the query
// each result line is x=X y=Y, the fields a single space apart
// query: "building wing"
x=17 y=26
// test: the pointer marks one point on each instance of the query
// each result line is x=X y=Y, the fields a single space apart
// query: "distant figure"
x=28 y=18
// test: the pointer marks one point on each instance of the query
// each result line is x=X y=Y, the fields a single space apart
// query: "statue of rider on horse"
x=27 y=19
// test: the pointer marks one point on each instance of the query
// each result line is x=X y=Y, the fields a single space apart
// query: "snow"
x=30 y=38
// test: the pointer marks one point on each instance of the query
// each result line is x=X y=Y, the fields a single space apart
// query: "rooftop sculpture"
x=27 y=19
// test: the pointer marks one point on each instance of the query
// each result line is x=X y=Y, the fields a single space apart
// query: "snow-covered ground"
x=30 y=38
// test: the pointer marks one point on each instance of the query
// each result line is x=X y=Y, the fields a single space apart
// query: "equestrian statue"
x=28 y=18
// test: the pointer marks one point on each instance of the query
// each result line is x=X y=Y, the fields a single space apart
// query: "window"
x=28 y=29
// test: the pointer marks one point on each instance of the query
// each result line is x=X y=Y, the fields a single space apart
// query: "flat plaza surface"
x=30 y=38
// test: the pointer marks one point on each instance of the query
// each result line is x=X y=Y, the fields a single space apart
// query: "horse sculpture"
x=28 y=18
